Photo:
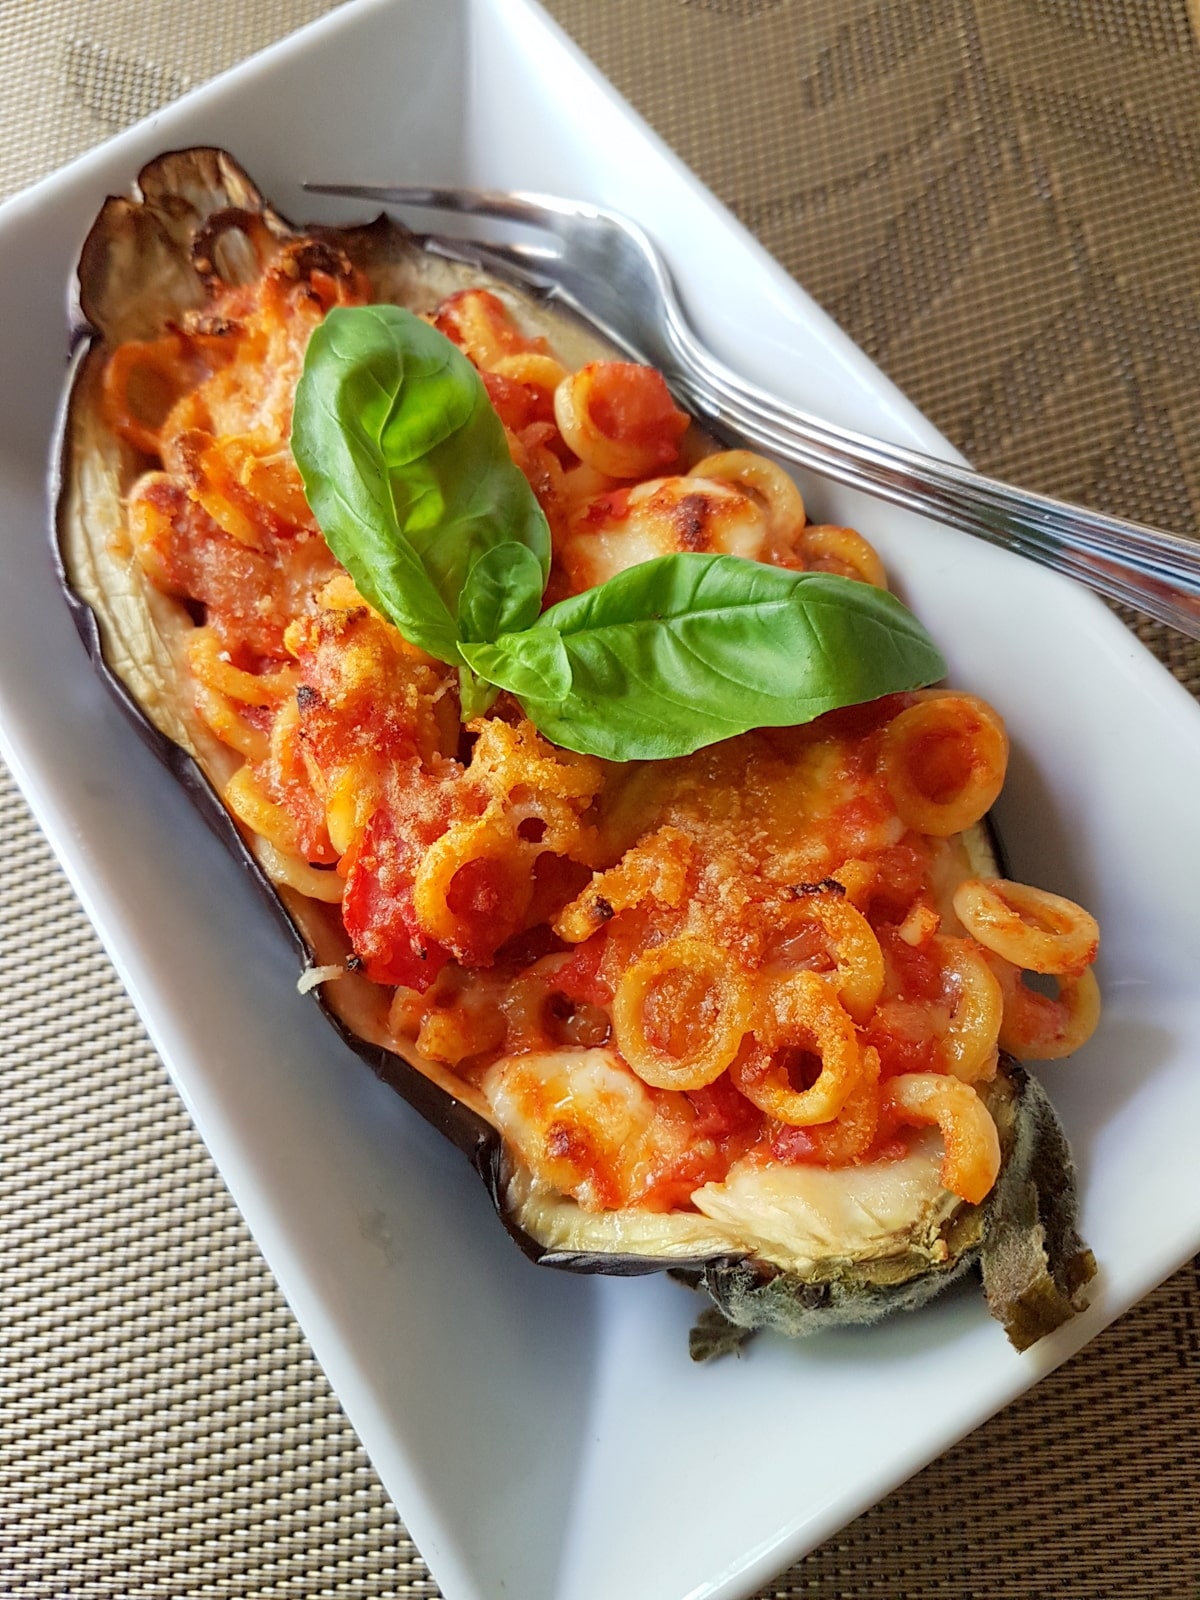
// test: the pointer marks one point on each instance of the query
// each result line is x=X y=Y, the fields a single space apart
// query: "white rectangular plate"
x=543 y=1435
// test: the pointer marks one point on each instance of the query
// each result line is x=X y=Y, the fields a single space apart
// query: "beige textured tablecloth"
x=999 y=200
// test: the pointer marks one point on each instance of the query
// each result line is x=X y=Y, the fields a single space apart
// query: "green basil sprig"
x=685 y=649
x=407 y=471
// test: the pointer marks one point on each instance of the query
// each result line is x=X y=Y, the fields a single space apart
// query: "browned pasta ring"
x=712 y=985
x=827 y=548
x=531 y=367
x=850 y=1135
x=969 y=1044
x=808 y=1017
x=972 y=1145
x=1029 y=927
x=635 y=454
x=484 y=841
x=141 y=380
x=1040 y=1027
x=944 y=760
x=859 y=973
x=214 y=669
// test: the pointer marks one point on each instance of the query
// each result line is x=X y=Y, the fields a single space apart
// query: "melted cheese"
x=619 y=530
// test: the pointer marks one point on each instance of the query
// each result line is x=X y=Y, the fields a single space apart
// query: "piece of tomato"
x=378 y=909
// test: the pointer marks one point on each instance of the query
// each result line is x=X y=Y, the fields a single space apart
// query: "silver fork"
x=611 y=273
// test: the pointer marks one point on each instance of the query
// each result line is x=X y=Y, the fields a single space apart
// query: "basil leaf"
x=686 y=649
x=502 y=594
x=407 y=470
x=534 y=665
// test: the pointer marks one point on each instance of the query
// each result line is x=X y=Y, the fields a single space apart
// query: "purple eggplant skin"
x=147 y=258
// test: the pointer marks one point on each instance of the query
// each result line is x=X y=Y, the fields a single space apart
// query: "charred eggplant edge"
x=1022 y=1235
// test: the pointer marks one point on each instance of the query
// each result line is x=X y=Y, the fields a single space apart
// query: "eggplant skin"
x=1022 y=1239
x=144 y=265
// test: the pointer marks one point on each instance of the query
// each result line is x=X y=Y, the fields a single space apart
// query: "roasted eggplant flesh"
x=778 y=1234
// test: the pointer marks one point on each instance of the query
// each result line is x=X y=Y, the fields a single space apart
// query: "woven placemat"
x=999 y=201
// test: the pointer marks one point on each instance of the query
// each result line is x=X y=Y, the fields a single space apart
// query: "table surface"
x=999 y=200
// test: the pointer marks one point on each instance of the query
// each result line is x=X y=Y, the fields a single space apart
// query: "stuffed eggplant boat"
x=607 y=799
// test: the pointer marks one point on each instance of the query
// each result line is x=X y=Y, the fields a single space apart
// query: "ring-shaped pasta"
x=769 y=483
x=352 y=794
x=480 y=324
x=544 y=470
x=213 y=670
x=287 y=751
x=852 y=1132
x=486 y=846
x=718 y=1031
x=809 y=1016
x=160 y=370
x=652 y=872
x=971 y=1159
x=531 y=367
x=283 y=866
x=1031 y=928
x=858 y=961
x=619 y=418
x=943 y=760
x=1042 y=1027
x=823 y=547
x=222 y=716
x=273 y=479
x=249 y=801
x=969 y=1043
x=151 y=531
x=250 y=490
x=583 y=483
x=218 y=491
x=450 y=1033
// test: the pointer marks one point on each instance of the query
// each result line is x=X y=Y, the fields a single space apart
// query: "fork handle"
x=1153 y=571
